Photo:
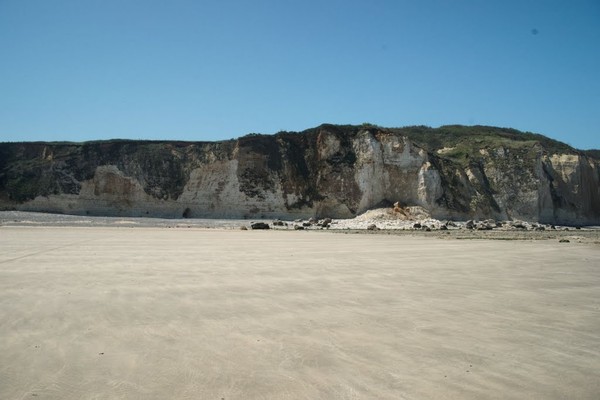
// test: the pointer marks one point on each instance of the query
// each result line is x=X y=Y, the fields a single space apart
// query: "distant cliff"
x=455 y=172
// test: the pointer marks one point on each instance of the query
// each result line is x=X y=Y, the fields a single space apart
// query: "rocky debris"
x=311 y=223
x=243 y=228
x=518 y=225
x=385 y=219
x=485 y=226
x=564 y=241
x=259 y=225
x=398 y=208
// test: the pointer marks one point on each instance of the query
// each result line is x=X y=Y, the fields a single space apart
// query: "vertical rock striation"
x=336 y=171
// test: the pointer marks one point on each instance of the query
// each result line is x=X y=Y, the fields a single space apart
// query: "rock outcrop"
x=330 y=171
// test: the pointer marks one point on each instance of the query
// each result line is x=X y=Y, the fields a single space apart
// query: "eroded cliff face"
x=334 y=171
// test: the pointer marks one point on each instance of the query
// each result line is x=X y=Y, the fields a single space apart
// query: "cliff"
x=455 y=172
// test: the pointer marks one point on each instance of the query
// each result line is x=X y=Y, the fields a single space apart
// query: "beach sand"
x=156 y=313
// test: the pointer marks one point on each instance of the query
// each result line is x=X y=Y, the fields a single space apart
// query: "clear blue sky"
x=209 y=70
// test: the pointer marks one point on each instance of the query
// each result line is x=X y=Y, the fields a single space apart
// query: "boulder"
x=519 y=225
x=484 y=227
x=260 y=225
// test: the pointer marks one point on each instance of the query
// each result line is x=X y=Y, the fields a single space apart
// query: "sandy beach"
x=155 y=313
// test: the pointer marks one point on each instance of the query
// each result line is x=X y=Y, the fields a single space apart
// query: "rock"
x=260 y=225
x=278 y=223
x=470 y=224
x=484 y=227
x=298 y=227
x=312 y=221
x=161 y=179
x=519 y=225
x=443 y=228
x=326 y=221
x=372 y=227
x=243 y=228
x=417 y=226
x=564 y=241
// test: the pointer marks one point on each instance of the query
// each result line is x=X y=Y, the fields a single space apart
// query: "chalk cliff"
x=337 y=171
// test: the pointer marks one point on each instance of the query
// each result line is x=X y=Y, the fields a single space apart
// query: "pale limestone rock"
x=335 y=175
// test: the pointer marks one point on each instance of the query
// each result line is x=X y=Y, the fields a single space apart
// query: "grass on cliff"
x=462 y=144
x=478 y=137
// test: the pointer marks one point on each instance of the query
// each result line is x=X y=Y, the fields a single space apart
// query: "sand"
x=156 y=313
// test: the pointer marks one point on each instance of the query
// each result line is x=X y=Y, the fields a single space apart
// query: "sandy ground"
x=156 y=313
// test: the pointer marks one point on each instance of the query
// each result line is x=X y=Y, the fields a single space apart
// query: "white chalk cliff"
x=335 y=171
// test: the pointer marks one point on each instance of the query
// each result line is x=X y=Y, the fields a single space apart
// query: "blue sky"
x=209 y=70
